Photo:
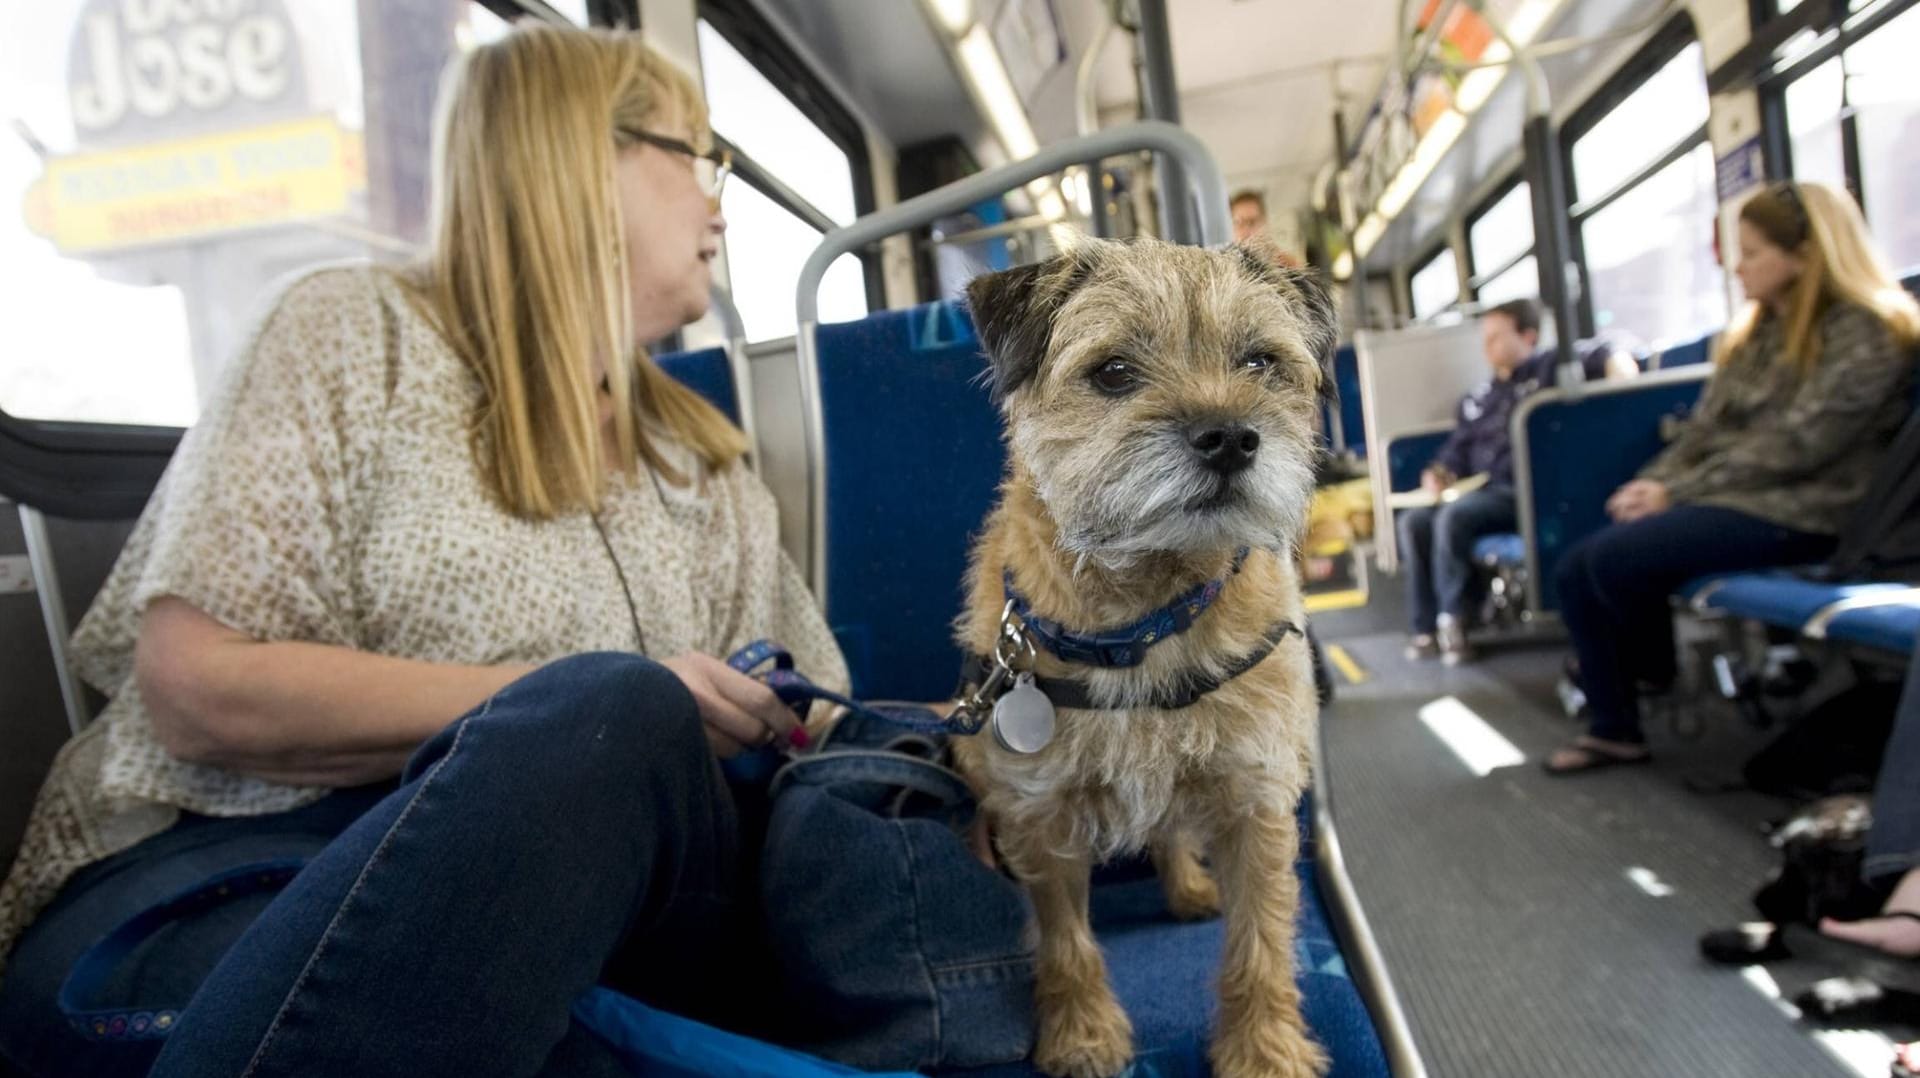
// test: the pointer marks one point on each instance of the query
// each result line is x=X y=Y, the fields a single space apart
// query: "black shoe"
x=1744 y=945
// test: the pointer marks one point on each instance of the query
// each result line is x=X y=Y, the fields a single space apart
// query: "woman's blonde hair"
x=526 y=271
x=1839 y=264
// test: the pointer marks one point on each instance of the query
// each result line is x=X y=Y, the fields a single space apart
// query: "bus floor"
x=1540 y=925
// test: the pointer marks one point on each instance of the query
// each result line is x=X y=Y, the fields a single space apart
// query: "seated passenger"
x=386 y=616
x=1810 y=386
x=1436 y=542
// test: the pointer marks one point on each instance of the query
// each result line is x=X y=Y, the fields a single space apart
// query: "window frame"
x=1666 y=43
x=1776 y=138
x=1475 y=275
x=1418 y=265
x=757 y=39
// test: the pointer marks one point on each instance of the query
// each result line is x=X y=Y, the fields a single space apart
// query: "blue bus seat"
x=1777 y=598
x=913 y=461
x=1166 y=974
x=1894 y=627
x=1687 y=353
x=1409 y=454
x=708 y=372
x=1346 y=385
x=1502 y=551
x=1573 y=450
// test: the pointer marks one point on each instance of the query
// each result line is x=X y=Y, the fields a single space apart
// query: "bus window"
x=139 y=223
x=1648 y=242
x=1519 y=281
x=1886 y=99
x=767 y=242
x=1435 y=286
x=1813 y=125
x=1497 y=239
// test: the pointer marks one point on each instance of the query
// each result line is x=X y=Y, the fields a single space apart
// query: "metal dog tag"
x=1023 y=719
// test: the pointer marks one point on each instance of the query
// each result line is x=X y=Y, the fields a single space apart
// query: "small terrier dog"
x=1159 y=405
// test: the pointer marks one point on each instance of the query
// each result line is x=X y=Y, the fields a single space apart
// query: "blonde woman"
x=1811 y=384
x=385 y=615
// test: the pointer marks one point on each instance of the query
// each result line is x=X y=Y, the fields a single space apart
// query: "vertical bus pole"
x=1546 y=175
x=1160 y=100
x=1553 y=241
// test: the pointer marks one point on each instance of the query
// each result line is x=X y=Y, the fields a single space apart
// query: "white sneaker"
x=1451 y=638
x=1421 y=646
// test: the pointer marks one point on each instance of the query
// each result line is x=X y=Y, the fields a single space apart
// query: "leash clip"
x=1013 y=647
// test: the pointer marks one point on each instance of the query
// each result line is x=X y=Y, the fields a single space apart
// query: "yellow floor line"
x=1321 y=602
x=1344 y=663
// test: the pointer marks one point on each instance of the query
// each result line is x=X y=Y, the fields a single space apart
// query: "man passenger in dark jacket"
x=1436 y=542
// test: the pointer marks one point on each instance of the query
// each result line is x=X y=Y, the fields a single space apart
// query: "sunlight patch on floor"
x=1467 y=735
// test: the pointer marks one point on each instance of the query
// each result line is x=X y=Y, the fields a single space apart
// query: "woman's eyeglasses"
x=711 y=168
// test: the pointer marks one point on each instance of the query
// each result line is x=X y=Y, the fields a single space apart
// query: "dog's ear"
x=1013 y=311
x=1307 y=294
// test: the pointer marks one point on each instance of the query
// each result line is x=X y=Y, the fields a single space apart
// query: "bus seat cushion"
x=1505 y=551
x=1780 y=598
x=1894 y=628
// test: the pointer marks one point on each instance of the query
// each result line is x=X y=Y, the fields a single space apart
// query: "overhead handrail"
x=1209 y=189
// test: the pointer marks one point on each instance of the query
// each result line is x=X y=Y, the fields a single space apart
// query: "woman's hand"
x=739 y=713
x=1638 y=500
x=1435 y=479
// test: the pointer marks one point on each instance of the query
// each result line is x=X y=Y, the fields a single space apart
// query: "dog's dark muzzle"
x=1225 y=448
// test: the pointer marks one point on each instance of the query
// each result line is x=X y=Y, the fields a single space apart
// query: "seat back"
x=912 y=455
x=1351 y=411
x=708 y=372
x=1687 y=353
x=1572 y=449
x=1408 y=455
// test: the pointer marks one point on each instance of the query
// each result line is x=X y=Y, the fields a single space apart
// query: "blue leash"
x=797 y=692
x=95 y=967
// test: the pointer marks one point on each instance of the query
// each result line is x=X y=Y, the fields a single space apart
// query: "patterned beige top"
x=328 y=495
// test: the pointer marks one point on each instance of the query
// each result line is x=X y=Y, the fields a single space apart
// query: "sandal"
x=1592 y=759
x=1889 y=971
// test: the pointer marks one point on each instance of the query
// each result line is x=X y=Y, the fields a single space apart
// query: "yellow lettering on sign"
x=173 y=191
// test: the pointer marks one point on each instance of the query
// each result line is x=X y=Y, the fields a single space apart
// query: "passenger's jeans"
x=1893 y=844
x=1615 y=588
x=1436 y=543
x=573 y=830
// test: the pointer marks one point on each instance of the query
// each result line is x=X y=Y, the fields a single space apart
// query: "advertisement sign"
x=189 y=188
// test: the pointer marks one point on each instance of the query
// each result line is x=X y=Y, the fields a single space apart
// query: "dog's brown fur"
x=1225 y=774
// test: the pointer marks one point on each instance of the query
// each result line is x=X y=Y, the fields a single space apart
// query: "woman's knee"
x=622 y=711
x=1571 y=576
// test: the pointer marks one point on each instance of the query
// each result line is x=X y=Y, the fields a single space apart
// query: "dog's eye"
x=1116 y=377
x=1259 y=361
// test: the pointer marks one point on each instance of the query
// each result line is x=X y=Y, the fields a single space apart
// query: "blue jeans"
x=1893 y=843
x=572 y=830
x=1615 y=587
x=1437 y=545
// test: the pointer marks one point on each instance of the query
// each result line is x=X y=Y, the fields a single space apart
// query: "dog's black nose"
x=1226 y=448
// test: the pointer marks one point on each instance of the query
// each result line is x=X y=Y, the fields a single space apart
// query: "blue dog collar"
x=1126 y=646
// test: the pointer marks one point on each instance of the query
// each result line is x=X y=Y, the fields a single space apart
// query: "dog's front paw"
x=1193 y=896
x=1277 y=1051
x=1084 y=1039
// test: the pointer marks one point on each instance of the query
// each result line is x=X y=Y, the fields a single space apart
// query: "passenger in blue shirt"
x=1436 y=542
